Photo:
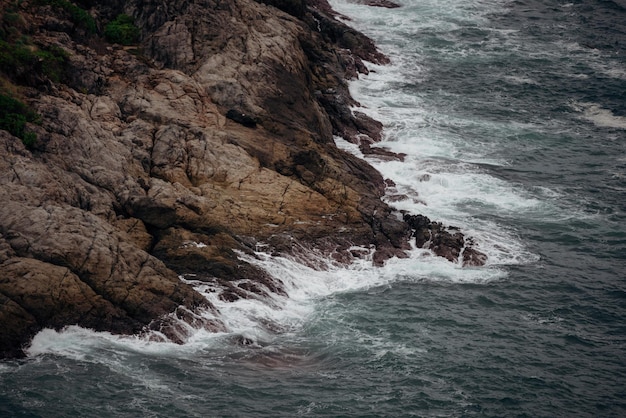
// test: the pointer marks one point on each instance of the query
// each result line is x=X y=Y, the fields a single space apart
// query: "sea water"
x=512 y=116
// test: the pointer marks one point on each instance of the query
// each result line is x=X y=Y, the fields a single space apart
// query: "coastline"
x=482 y=97
x=216 y=128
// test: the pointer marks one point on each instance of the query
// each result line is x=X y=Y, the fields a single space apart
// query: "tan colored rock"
x=54 y=296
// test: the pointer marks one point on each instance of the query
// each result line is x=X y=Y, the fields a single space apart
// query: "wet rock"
x=471 y=256
x=242 y=340
x=380 y=3
x=382 y=153
x=444 y=241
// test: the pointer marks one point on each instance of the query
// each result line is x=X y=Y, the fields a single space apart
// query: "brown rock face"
x=213 y=134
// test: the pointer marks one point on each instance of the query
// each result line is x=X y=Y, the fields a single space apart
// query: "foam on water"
x=595 y=114
x=441 y=175
x=416 y=17
x=448 y=173
x=85 y=345
x=261 y=319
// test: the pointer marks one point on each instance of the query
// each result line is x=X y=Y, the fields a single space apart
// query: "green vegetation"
x=122 y=30
x=21 y=60
x=13 y=117
x=78 y=15
x=54 y=62
x=27 y=63
x=12 y=18
x=10 y=23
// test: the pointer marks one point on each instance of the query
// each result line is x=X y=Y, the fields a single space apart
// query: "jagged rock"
x=473 y=257
x=35 y=294
x=444 y=241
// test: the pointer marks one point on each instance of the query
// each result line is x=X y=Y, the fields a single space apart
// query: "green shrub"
x=13 y=117
x=29 y=139
x=16 y=58
x=20 y=60
x=122 y=30
x=11 y=22
x=78 y=15
x=54 y=61
x=11 y=18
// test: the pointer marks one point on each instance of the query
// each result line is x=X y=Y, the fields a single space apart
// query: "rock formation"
x=213 y=133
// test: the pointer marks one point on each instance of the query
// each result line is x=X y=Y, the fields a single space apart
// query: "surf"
x=439 y=178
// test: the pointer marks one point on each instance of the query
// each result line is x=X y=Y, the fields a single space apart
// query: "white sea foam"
x=82 y=344
x=613 y=71
x=519 y=79
x=599 y=116
x=123 y=355
x=439 y=176
x=348 y=147
x=261 y=319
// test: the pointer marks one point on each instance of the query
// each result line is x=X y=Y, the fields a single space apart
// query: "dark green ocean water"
x=513 y=118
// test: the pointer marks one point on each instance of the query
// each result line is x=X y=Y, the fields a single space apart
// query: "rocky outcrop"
x=212 y=135
x=447 y=242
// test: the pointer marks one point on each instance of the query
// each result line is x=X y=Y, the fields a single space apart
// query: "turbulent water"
x=512 y=116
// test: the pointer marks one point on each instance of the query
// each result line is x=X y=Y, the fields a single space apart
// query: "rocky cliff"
x=164 y=142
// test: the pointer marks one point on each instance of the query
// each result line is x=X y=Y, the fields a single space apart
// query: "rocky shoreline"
x=209 y=134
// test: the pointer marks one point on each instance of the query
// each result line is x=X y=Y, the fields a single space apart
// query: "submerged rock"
x=380 y=3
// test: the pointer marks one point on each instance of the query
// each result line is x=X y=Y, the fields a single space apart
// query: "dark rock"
x=419 y=224
x=230 y=296
x=295 y=8
x=444 y=242
x=152 y=211
x=382 y=153
x=473 y=257
x=18 y=327
x=397 y=197
x=380 y=3
x=241 y=340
